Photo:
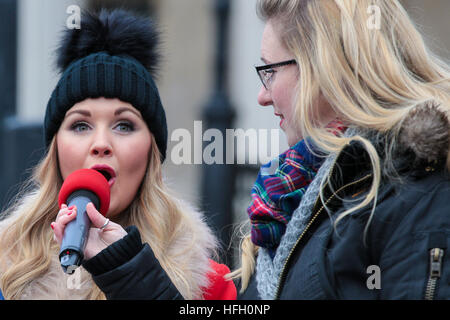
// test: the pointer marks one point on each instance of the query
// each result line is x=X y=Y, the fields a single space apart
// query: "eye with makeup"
x=79 y=126
x=123 y=126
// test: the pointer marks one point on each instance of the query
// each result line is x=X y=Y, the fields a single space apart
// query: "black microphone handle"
x=77 y=231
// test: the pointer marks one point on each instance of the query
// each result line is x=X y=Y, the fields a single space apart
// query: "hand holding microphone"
x=80 y=229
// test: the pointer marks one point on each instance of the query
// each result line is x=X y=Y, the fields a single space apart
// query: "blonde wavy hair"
x=372 y=76
x=27 y=248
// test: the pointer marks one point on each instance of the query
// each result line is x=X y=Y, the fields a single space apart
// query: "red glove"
x=219 y=288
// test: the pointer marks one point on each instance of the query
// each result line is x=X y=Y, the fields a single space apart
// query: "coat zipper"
x=283 y=270
x=436 y=255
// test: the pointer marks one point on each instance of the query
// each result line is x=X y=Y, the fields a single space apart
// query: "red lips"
x=281 y=117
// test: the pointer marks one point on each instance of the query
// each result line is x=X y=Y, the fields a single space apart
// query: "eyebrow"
x=83 y=112
x=116 y=113
x=123 y=109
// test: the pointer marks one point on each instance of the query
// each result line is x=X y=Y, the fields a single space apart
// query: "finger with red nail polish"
x=64 y=217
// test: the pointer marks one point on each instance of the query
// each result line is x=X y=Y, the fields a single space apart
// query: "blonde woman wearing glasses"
x=360 y=212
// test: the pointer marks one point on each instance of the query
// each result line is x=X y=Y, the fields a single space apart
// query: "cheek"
x=284 y=99
x=136 y=157
x=133 y=163
x=70 y=156
x=284 y=94
x=132 y=158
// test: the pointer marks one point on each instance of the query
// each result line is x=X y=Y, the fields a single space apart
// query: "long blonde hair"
x=372 y=75
x=27 y=248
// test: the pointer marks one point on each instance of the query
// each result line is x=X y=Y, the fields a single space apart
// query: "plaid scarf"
x=277 y=192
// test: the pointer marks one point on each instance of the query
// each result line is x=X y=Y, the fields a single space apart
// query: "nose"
x=101 y=145
x=264 y=97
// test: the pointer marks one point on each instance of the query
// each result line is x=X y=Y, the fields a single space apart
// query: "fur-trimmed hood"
x=425 y=134
x=419 y=144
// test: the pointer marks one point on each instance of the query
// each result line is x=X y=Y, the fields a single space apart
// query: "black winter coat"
x=406 y=252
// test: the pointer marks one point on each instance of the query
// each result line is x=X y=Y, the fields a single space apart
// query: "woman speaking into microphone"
x=105 y=114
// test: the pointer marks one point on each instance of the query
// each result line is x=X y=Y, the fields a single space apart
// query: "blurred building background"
x=209 y=50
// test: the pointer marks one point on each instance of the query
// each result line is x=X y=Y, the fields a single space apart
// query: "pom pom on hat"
x=116 y=32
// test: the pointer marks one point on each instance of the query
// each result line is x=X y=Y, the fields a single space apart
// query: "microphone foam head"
x=86 y=179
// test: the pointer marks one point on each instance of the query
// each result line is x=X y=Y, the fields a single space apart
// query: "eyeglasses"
x=267 y=71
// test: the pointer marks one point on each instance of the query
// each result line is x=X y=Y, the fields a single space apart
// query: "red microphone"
x=80 y=187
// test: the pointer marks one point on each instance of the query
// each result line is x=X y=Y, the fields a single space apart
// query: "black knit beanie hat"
x=112 y=55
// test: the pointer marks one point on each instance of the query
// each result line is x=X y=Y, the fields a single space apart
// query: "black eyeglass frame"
x=272 y=66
